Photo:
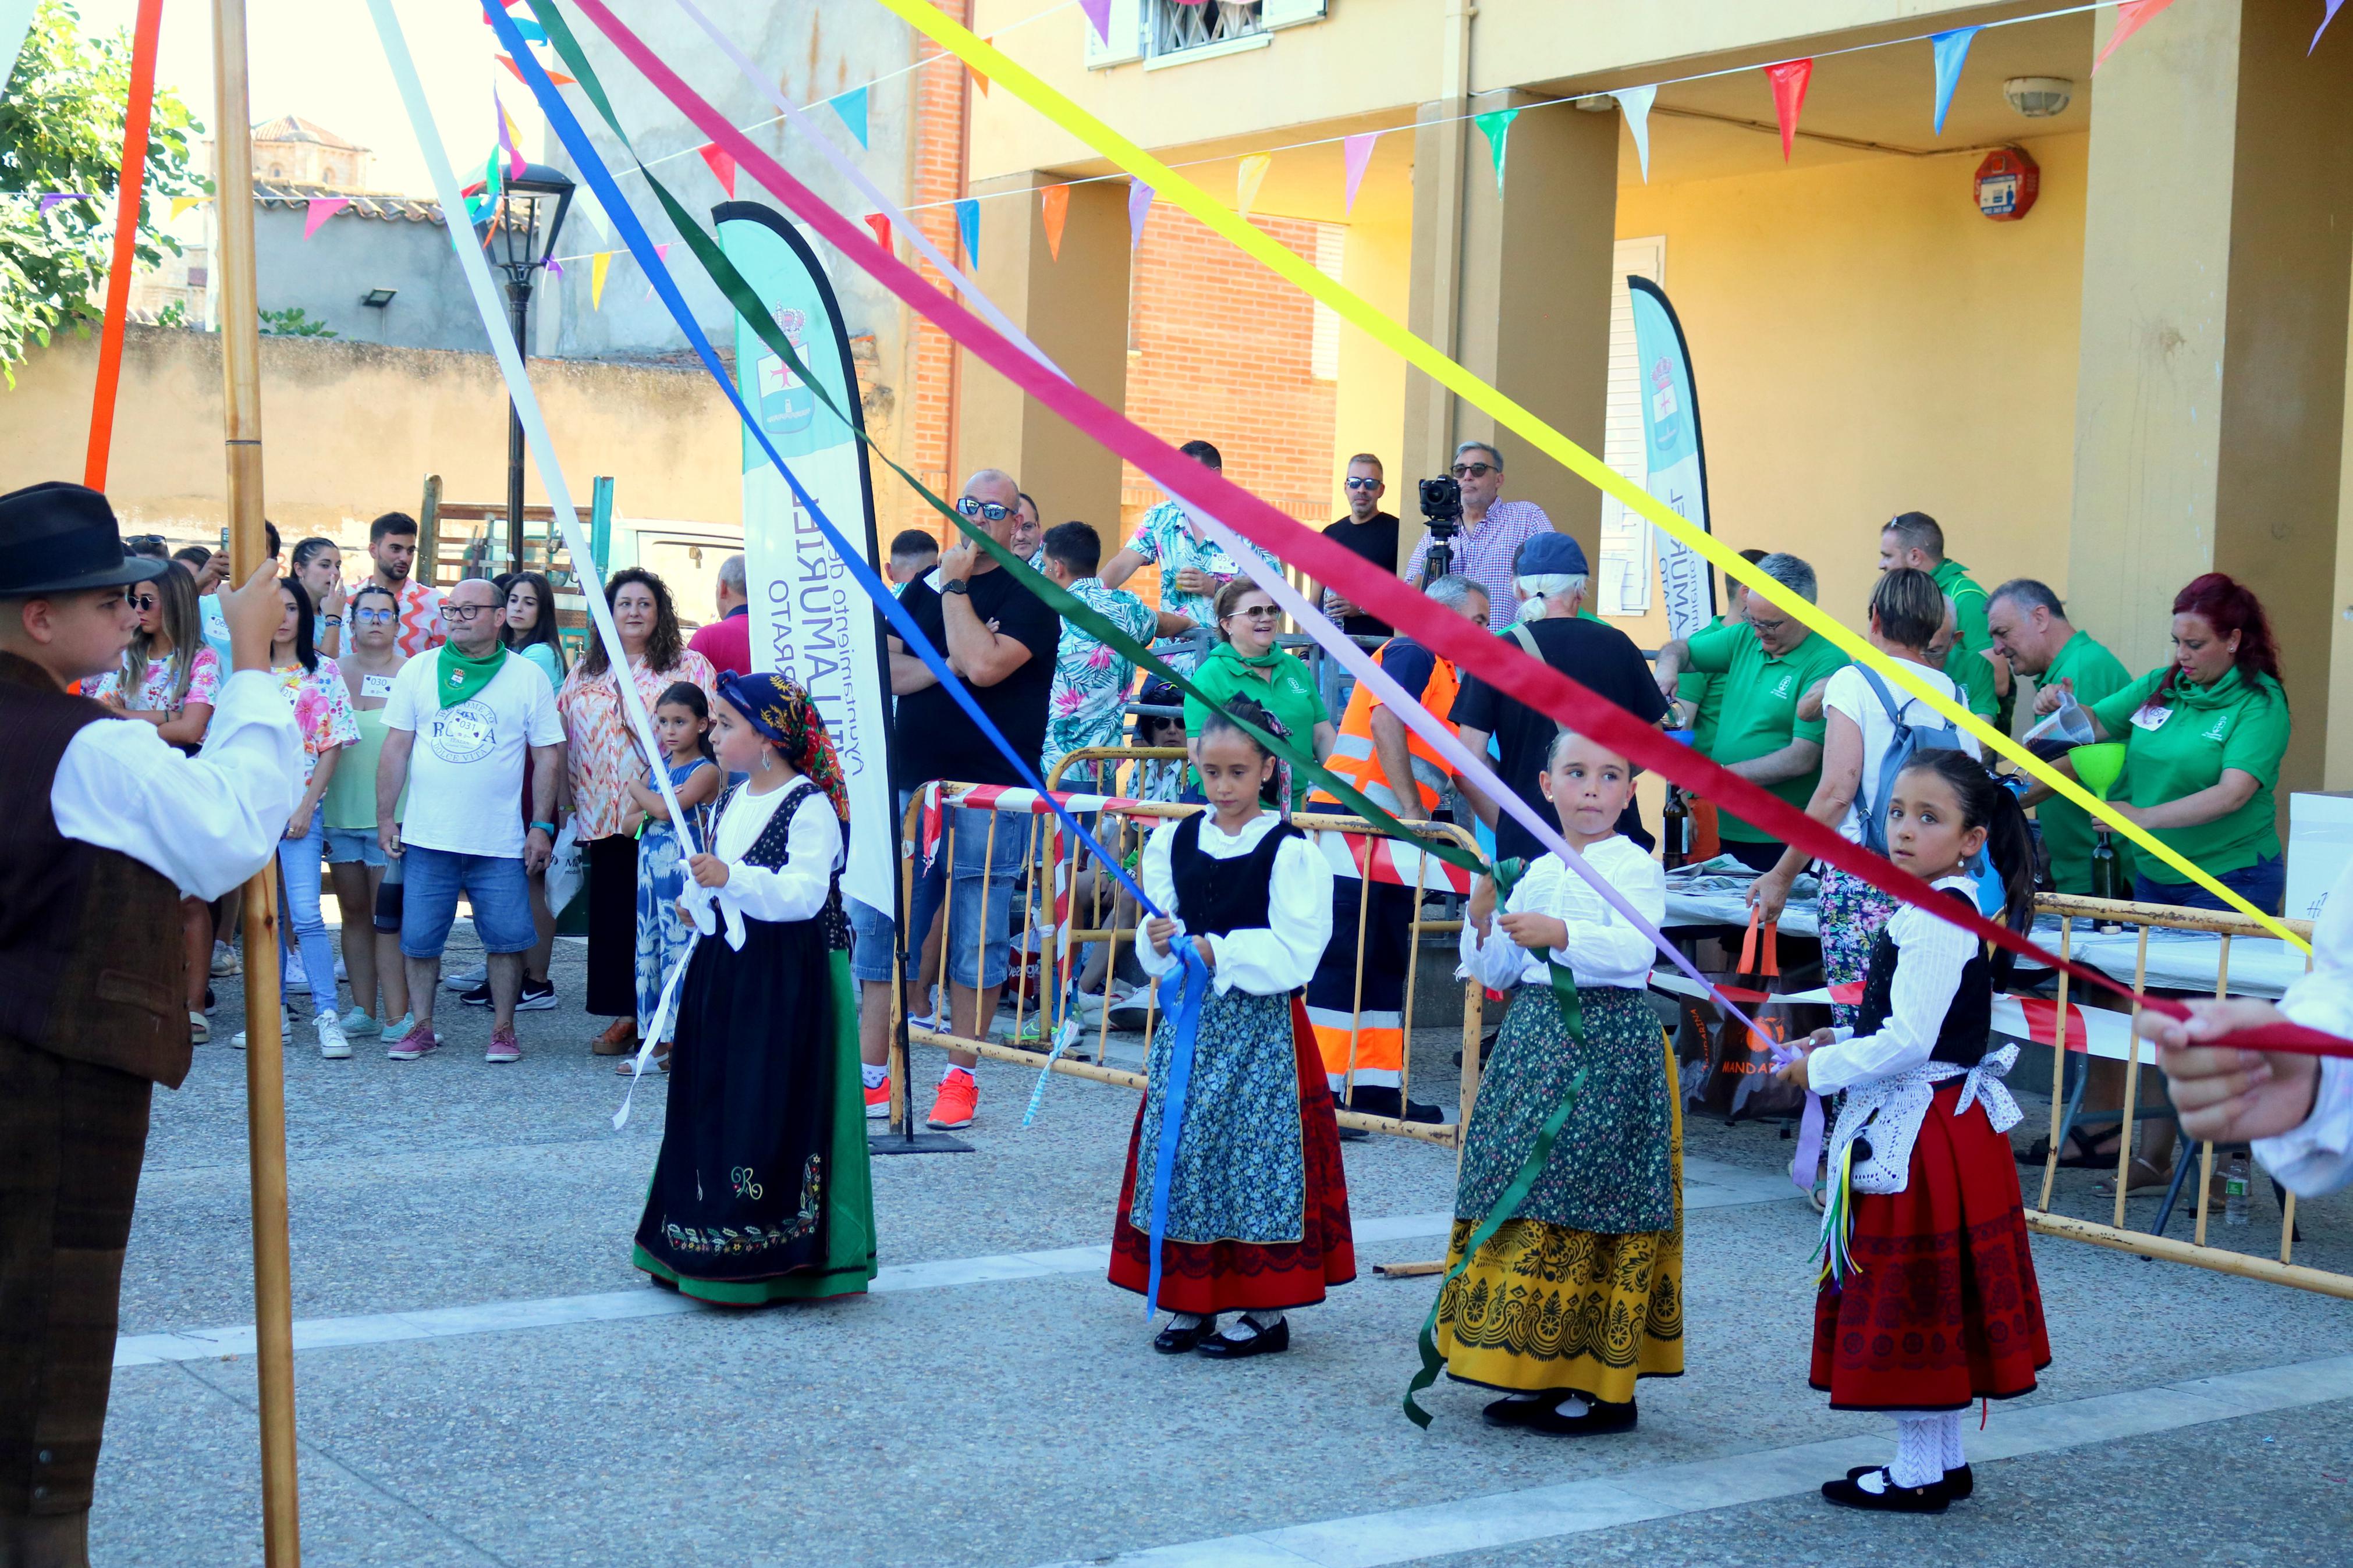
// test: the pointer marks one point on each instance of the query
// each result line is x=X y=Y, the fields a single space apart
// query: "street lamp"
x=521 y=239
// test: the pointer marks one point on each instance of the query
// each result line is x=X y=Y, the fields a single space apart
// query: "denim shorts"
x=2262 y=884
x=870 y=942
x=345 y=845
x=978 y=892
x=493 y=884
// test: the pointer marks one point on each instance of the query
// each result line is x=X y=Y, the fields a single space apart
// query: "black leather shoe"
x=1958 y=1484
x=1266 y=1342
x=1599 y=1419
x=1173 y=1340
x=1511 y=1412
x=1931 y=1498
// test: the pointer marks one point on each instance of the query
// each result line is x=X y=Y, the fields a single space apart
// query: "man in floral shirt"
x=1193 y=566
x=1088 y=705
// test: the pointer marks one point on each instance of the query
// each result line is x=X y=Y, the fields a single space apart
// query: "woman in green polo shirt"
x=1245 y=662
x=2203 y=739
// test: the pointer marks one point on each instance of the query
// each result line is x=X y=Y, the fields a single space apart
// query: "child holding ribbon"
x=1249 y=1209
x=762 y=1192
x=1578 y=1292
x=1928 y=1301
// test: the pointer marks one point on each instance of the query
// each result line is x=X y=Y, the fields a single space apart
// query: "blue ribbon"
x=1181 y=990
x=608 y=197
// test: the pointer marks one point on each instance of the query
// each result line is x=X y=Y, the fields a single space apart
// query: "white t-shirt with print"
x=1849 y=693
x=465 y=772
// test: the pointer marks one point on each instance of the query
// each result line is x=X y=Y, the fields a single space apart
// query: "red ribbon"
x=128 y=207
x=1381 y=594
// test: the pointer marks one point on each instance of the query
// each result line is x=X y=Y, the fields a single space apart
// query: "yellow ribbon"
x=1169 y=185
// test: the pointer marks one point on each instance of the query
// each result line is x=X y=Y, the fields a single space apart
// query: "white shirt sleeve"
x=1932 y=955
x=796 y=891
x=1497 y=962
x=207 y=822
x=1603 y=946
x=1267 y=961
x=400 y=707
x=2317 y=1157
x=1160 y=886
x=543 y=726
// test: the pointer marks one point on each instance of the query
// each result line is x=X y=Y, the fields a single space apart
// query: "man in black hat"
x=103 y=828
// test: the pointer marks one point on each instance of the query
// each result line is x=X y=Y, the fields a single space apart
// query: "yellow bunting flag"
x=1249 y=176
x=597 y=266
x=182 y=204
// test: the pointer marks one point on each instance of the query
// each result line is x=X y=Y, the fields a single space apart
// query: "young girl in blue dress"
x=683 y=725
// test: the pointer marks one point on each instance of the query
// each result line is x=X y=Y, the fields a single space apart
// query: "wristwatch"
x=956 y=585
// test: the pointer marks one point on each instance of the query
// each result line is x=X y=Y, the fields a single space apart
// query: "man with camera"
x=1489 y=533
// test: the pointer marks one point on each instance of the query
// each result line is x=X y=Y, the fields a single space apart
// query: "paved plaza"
x=483 y=1379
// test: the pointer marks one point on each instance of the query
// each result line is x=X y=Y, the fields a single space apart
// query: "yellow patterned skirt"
x=1544 y=1308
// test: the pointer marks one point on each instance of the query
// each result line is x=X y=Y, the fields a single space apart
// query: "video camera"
x=1441 y=510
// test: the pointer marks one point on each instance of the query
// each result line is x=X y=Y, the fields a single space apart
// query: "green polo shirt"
x=1759 y=711
x=2067 y=829
x=1967 y=663
x=1704 y=695
x=2178 y=742
x=1277 y=679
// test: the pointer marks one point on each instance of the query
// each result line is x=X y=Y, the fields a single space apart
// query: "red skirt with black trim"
x=1943 y=1308
x=1207 y=1277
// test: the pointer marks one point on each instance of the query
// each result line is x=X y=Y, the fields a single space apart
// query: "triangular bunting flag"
x=968 y=225
x=1139 y=208
x=528 y=29
x=554 y=267
x=557 y=77
x=1249 y=176
x=1635 y=103
x=2327 y=17
x=56 y=198
x=1357 y=151
x=722 y=164
x=661 y=253
x=507 y=137
x=976 y=77
x=1497 y=125
x=1054 y=208
x=851 y=107
x=321 y=209
x=598 y=265
x=2132 y=15
x=1099 y=16
x=1789 y=79
x=182 y=204
x=880 y=224
x=1951 y=49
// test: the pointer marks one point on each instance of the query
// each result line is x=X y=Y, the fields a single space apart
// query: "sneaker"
x=200 y=1033
x=293 y=980
x=226 y=962
x=1090 y=1004
x=332 y=1042
x=360 y=1024
x=958 y=1098
x=416 y=1043
x=504 y=1046
x=1030 y=1035
x=479 y=996
x=538 y=995
x=878 y=1102
x=466 y=979
x=285 y=1029
x=398 y=1026
x=930 y=1020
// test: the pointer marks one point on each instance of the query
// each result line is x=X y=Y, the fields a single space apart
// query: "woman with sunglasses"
x=1246 y=663
x=355 y=857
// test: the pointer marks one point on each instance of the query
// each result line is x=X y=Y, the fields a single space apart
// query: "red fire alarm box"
x=2007 y=184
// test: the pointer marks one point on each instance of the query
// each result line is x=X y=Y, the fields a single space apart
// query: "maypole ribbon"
x=985 y=59
x=1181 y=991
x=130 y=206
x=1381 y=594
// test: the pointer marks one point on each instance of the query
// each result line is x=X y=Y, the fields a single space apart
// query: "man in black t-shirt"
x=1368 y=531
x=1001 y=639
x=1551 y=568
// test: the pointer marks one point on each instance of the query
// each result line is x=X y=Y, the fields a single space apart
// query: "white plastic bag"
x=566 y=869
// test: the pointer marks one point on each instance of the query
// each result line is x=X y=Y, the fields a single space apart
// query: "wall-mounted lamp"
x=377 y=299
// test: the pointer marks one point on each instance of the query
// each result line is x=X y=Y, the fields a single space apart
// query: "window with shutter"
x=1125 y=36
x=1275 y=14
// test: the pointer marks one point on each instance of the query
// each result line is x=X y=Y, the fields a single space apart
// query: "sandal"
x=2145 y=1178
x=2086 y=1158
x=627 y=1066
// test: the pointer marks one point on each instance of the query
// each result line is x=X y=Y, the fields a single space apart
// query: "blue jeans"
x=299 y=860
x=870 y=941
x=493 y=884
x=978 y=892
x=2262 y=884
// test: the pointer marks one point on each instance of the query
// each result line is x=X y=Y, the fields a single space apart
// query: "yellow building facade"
x=2142 y=379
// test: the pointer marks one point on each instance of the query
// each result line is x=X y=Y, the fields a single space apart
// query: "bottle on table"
x=2108 y=876
x=2234 y=1188
x=1675 y=829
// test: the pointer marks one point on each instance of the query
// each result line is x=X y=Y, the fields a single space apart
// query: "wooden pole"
x=2059 y=1064
x=2221 y=1262
x=265 y=1060
x=2132 y=1086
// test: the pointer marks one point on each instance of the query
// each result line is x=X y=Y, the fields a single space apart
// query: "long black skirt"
x=612 y=988
x=762 y=1191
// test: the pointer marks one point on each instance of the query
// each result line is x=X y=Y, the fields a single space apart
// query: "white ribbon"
x=663 y=1010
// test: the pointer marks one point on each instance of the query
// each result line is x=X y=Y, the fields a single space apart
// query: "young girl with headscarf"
x=762 y=1192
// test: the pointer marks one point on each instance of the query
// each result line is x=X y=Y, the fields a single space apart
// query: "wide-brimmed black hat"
x=60 y=537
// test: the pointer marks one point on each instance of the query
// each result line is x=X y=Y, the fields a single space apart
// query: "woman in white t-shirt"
x=1907 y=609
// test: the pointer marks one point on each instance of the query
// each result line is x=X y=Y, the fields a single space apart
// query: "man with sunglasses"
x=1493 y=530
x=1368 y=531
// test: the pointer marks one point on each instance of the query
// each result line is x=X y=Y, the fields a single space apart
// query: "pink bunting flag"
x=1789 y=79
x=2327 y=17
x=2132 y=15
x=506 y=136
x=1139 y=208
x=1357 y=151
x=1099 y=16
x=1054 y=208
x=321 y=209
x=722 y=166
x=661 y=253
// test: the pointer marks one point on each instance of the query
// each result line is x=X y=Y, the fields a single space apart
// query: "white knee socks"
x=1927 y=1447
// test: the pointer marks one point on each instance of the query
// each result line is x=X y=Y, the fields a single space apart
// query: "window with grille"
x=1171 y=28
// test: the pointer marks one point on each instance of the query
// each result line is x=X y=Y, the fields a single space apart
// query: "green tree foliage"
x=61 y=123
x=293 y=322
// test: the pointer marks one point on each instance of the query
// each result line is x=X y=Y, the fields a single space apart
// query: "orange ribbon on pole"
x=128 y=205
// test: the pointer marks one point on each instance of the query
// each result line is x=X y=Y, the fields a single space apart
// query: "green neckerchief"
x=459 y=678
x=1228 y=651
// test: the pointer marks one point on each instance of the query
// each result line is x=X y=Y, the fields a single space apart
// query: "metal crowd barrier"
x=2284 y=1270
x=1103 y=913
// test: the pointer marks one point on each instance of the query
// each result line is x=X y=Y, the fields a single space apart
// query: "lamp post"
x=522 y=236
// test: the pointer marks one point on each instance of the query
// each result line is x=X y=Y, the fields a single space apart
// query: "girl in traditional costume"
x=762 y=1191
x=1580 y=1292
x=1257 y=1207
x=682 y=726
x=1928 y=1301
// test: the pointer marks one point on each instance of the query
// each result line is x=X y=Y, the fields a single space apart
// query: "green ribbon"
x=1524 y=1181
x=1297 y=751
x=460 y=677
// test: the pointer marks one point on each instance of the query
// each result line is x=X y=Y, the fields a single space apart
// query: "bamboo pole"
x=2215 y=1259
x=2132 y=1086
x=1412 y=968
x=1356 y=1017
x=2059 y=1063
x=265 y=1059
x=2164 y=916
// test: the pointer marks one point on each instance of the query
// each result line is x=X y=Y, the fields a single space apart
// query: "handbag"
x=1739 y=1080
x=567 y=881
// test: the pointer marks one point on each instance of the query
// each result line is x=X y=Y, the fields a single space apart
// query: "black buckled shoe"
x=1599 y=1419
x=1173 y=1340
x=1958 y=1483
x=1265 y=1342
x=1933 y=1498
x=1512 y=1413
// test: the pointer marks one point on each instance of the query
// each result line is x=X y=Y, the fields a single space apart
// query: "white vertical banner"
x=809 y=622
x=1674 y=457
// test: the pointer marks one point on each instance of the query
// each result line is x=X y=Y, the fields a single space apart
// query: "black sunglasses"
x=986 y=510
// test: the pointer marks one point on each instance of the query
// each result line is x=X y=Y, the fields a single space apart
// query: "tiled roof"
x=294 y=128
x=378 y=205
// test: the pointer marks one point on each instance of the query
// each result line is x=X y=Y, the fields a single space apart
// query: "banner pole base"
x=885 y=1141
